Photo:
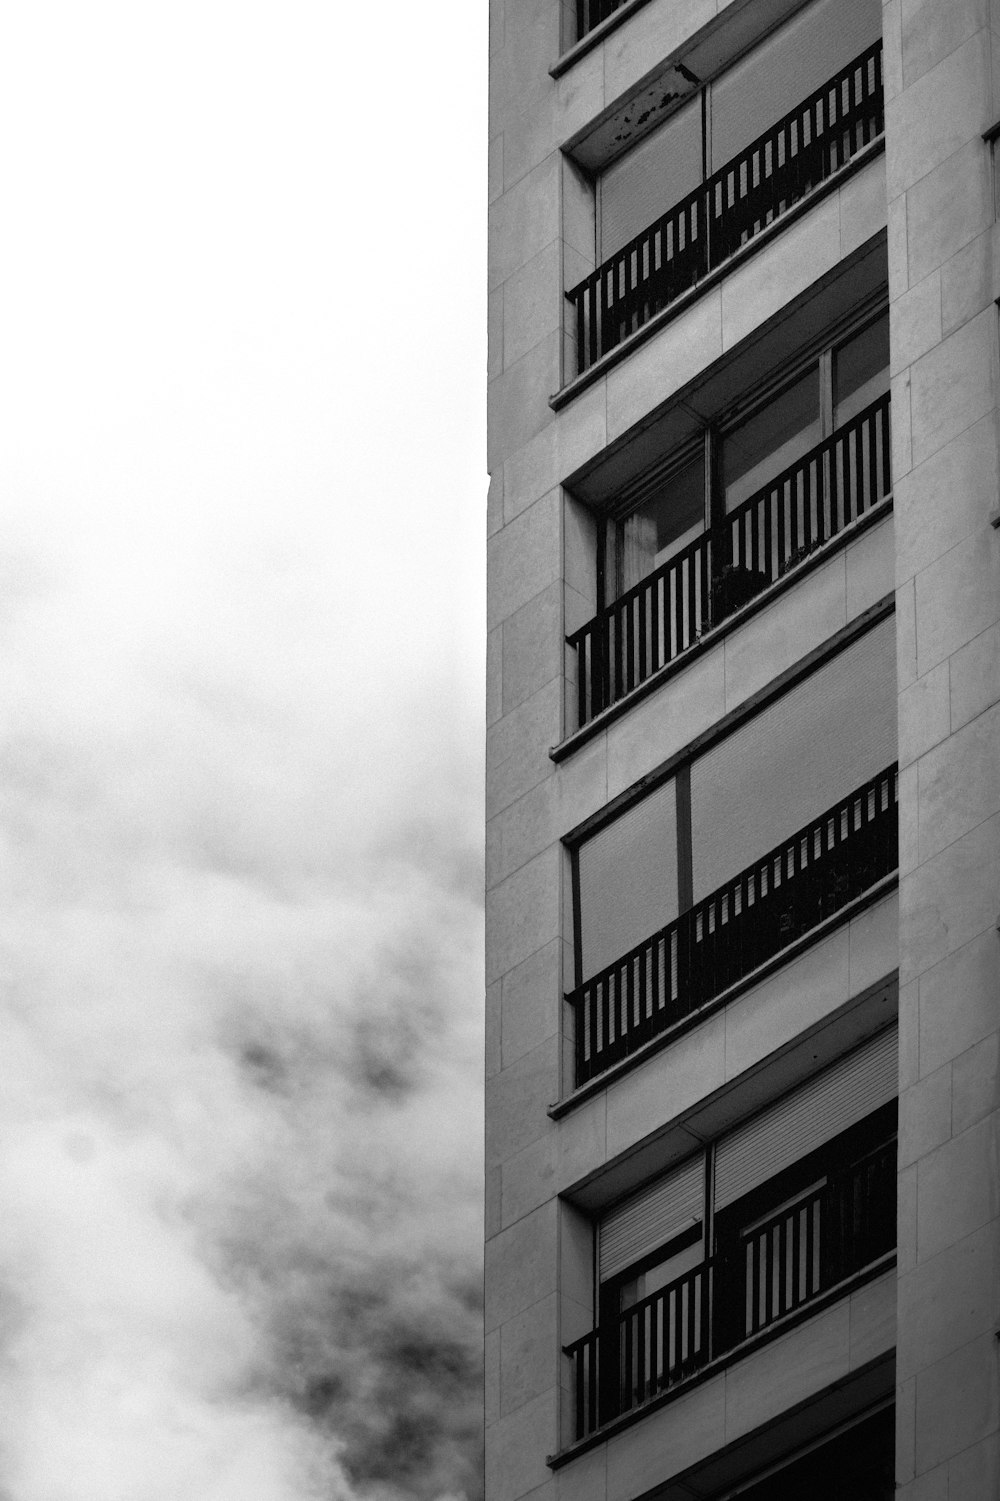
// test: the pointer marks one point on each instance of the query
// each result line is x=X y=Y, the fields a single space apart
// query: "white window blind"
x=744 y=102
x=649 y=179
x=786 y=68
x=799 y=756
x=628 y=880
x=650 y=1218
x=839 y=1097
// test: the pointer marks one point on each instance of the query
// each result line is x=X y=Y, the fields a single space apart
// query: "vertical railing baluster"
x=579 y=302
x=584 y=1420
x=678 y=621
x=639 y=1383
x=872 y=460
x=616 y=663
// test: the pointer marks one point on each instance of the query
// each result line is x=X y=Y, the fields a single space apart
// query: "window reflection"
x=672 y=516
x=775 y=436
x=861 y=370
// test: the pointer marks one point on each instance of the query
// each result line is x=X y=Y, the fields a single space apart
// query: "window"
x=801 y=754
x=860 y=370
x=742 y=852
x=636 y=858
x=742 y=451
x=670 y=515
x=708 y=527
x=781 y=431
x=655 y=174
x=709 y=129
x=806 y=1229
x=803 y=1201
x=590 y=13
x=736 y=150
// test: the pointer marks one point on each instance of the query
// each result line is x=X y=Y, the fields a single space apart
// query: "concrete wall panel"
x=937 y=114
x=667 y=1441
x=517 y=748
x=516 y=1447
x=520 y=1266
x=516 y=1100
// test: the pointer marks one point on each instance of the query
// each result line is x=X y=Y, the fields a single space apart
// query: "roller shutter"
x=745 y=101
x=628 y=880
x=808 y=749
x=786 y=68
x=649 y=179
x=836 y=1099
x=651 y=1217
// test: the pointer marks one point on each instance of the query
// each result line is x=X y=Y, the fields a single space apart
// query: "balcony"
x=806 y=148
x=734 y=930
x=761 y=541
x=802 y=1255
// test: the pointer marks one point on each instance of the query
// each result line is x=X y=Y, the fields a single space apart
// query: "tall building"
x=743 y=840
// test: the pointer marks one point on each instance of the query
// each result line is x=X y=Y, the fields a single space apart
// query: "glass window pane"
x=651 y=178
x=861 y=370
x=774 y=437
x=664 y=1272
x=628 y=880
x=672 y=516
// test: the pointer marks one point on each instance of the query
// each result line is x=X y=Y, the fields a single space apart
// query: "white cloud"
x=240 y=635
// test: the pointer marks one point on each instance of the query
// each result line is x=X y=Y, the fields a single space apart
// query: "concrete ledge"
x=594 y=37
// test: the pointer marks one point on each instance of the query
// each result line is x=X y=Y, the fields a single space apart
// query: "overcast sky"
x=243 y=500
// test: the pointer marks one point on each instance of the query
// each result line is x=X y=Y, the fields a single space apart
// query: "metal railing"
x=731 y=932
x=762 y=539
x=781 y=1266
x=827 y=1236
x=804 y=148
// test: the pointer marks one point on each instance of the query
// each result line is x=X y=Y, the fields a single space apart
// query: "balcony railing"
x=764 y=538
x=780 y=1266
x=768 y=177
x=590 y=13
x=730 y=933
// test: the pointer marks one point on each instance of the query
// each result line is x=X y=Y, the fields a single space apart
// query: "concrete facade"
x=911 y=222
x=943 y=92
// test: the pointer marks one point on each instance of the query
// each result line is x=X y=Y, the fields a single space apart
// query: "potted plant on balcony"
x=733 y=587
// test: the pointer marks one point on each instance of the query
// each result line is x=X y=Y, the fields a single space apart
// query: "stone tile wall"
x=942 y=94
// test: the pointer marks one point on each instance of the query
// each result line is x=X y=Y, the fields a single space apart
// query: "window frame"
x=702 y=92
x=727 y=1287
x=817 y=354
x=678 y=769
x=609 y=1291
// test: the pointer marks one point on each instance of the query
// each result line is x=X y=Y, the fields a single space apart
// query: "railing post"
x=579 y=1389
x=608 y=1353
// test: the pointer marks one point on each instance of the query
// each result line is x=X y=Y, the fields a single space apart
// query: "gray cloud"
x=239 y=1139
